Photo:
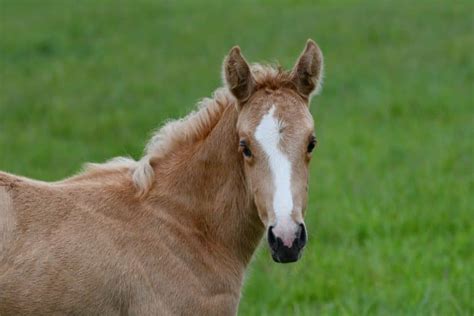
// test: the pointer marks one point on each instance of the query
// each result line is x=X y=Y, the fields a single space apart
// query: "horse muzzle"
x=286 y=249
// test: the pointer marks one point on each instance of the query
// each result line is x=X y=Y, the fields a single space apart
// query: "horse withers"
x=172 y=233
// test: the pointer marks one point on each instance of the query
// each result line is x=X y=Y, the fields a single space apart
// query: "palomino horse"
x=172 y=233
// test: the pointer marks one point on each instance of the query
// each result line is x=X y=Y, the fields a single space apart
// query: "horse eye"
x=245 y=149
x=247 y=152
x=312 y=144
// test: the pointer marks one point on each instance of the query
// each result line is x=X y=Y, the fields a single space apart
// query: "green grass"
x=391 y=212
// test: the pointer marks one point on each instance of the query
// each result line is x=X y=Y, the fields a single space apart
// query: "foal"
x=173 y=233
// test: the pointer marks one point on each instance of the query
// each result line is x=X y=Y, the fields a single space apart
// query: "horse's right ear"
x=237 y=75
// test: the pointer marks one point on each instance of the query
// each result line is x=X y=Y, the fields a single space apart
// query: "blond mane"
x=193 y=127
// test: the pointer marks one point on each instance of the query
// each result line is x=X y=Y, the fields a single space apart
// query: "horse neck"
x=209 y=182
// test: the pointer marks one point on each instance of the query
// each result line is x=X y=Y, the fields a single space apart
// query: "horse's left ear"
x=237 y=75
x=308 y=71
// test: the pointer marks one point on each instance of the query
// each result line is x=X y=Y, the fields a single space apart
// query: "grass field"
x=391 y=213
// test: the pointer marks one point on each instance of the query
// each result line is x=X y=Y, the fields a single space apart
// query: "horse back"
x=7 y=218
x=55 y=252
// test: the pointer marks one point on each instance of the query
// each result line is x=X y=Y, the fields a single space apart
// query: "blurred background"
x=391 y=212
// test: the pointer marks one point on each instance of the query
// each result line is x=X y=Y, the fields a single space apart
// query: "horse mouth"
x=285 y=258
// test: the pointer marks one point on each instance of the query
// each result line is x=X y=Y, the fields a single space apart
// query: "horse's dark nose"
x=281 y=252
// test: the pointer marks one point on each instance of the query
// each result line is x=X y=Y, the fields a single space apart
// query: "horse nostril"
x=271 y=237
x=302 y=236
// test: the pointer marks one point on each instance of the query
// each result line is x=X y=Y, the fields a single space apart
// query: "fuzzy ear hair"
x=237 y=75
x=308 y=70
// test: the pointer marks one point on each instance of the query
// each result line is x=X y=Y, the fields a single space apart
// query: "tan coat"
x=171 y=234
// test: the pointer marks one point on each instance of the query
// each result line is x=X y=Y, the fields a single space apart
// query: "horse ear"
x=307 y=73
x=237 y=75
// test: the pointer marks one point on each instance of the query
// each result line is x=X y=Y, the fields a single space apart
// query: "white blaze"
x=268 y=136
